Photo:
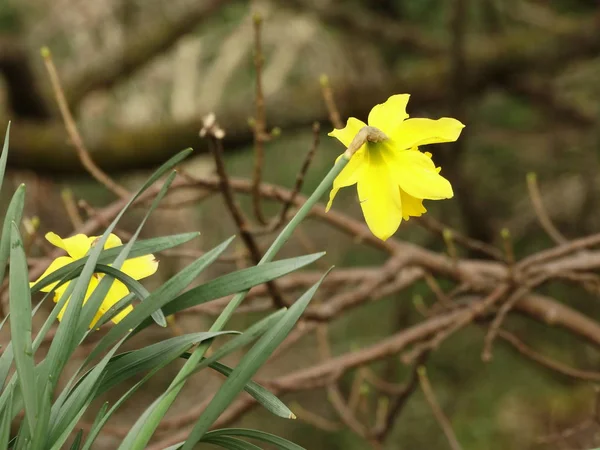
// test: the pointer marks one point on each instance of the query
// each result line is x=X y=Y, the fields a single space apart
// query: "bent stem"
x=176 y=385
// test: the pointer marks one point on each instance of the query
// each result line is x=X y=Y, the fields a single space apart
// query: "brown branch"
x=71 y=208
x=438 y=413
x=73 y=132
x=541 y=212
x=327 y=92
x=546 y=362
x=287 y=204
x=433 y=225
x=400 y=400
x=503 y=311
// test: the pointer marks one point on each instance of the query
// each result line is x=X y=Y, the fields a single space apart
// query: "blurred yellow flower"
x=393 y=176
x=77 y=247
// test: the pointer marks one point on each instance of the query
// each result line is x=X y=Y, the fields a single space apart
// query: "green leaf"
x=77 y=441
x=238 y=281
x=260 y=393
x=62 y=344
x=4 y=156
x=40 y=433
x=97 y=425
x=20 y=326
x=248 y=366
x=66 y=417
x=159 y=298
x=95 y=430
x=126 y=365
x=231 y=443
x=140 y=248
x=6 y=361
x=279 y=442
x=5 y=420
x=249 y=335
x=14 y=213
x=97 y=298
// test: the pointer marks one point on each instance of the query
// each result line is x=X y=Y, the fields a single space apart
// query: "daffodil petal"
x=346 y=134
x=389 y=115
x=379 y=198
x=115 y=294
x=59 y=262
x=411 y=206
x=140 y=267
x=349 y=174
x=61 y=290
x=415 y=132
x=76 y=246
x=416 y=175
x=112 y=241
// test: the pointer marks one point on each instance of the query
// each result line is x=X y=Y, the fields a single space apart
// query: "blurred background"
x=139 y=76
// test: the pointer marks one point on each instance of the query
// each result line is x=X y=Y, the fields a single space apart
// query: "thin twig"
x=214 y=134
x=440 y=295
x=299 y=180
x=540 y=210
x=401 y=399
x=345 y=414
x=544 y=361
x=433 y=225
x=332 y=110
x=466 y=317
x=315 y=420
x=73 y=132
x=503 y=312
x=259 y=122
x=438 y=413
x=71 y=208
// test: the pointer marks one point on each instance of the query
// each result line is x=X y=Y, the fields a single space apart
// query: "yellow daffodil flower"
x=393 y=177
x=77 y=247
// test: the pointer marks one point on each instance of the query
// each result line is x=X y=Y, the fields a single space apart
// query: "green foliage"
x=51 y=410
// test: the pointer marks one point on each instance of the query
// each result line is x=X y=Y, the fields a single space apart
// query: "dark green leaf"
x=248 y=366
x=20 y=326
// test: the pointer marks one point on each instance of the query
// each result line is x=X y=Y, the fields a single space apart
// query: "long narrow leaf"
x=231 y=443
x=61 y=346
x=159 y=298
x=124 y=366
x=20 y=325
x=248 y=366
x=247 y=336
x=66 y=418
x=279 y=442
x=4 y=156
x=5 y=420
x=95 y=430
x=260 y=393
x=232 y=283
x=14 y=213
x=77 y=441
x=93 y=304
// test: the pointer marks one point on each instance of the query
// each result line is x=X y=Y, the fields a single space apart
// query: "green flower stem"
x=161 y=408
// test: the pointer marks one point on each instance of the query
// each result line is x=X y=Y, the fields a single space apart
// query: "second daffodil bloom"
x=77 y=247
x=393 y=177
